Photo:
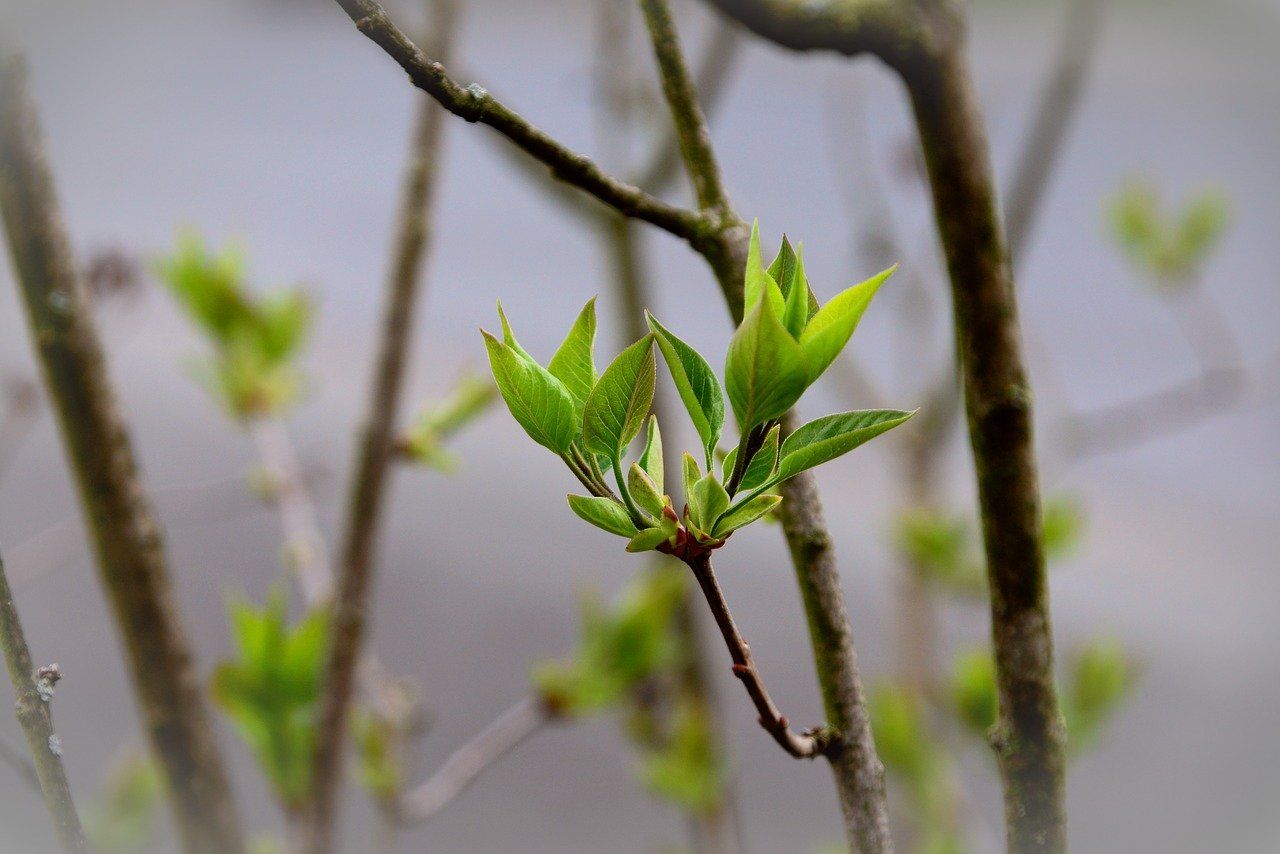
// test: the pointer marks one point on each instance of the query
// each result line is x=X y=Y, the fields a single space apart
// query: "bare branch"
x=34 y=691
x=507 y=732
x=474 y=104
x=130 y=554
x=375 y=453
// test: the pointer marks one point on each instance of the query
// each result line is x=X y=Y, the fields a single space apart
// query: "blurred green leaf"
x=688 y=770
x=380 y=766
x=1101 y=679
x=122 y=817
x=424 y=441
x=1062 y=524
x=1169 y=247
x=973 y=690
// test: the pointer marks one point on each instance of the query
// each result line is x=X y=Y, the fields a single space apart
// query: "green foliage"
x=973 y=690
x=122 y=818
x=1101 y=679
x=424 y=443
x=781 y=347
x=270 y=690
x=1168 y=246
x=620 y=647
x=256 y=339
x=380 y=765
x=687 y=769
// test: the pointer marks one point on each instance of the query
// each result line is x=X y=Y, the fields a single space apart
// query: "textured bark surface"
x=1029 y=736
x=125 y=535
x=36 y=719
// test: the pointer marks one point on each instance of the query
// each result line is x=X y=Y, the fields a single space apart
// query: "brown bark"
x=125 y=534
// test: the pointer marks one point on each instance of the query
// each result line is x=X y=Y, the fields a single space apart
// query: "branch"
x=33 y=693
x=374 y=454
x=474 y=104
x=507 y=732
x=847 y=27
x=126 y=537
x=801 y=746
x=1057 y=106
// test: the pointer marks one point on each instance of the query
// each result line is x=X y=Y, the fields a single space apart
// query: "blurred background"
x=276 y=125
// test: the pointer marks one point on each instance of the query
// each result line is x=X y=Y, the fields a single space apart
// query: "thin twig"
x=131 y=558
x=475 y=104
x=507 y=732
x=802 y=746
x=20 y=764
x=377 y=442
x=33 y=692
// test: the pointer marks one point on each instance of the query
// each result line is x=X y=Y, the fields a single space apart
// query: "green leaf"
x=643 y=490
x=758 y=282
x=763 y=465
x=765 y=369
x=651 y=458
x=1061 y=524
x=617 y=406
x=830 y=329
x=537 y=400
x=783 y=268
x=708 y=502
x=604 y=513
x=574 y=363
x=745 y=513
x=697 y=384
x=509 y=337
x=973 y=690
x=691 y=475
x=832 y=436
x=648 y=540
x=795 y=314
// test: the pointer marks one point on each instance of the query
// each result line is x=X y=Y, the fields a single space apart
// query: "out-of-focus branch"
x=125 y=533
x=33 y=691
x=1054 y=113
x=20 y=764
x=377 y=442
x=474 y=104
x=503 y=735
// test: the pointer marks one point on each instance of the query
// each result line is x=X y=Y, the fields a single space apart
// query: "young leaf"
x=574 y=363
x=832 y=436
x=617 y=406
x=509 y=337
x=648 y=540
x=765 y=369
x=699 y=389
x=830 y=329
x=745 y=513
x=763 y=465
x=795 y=315
x=604 y=513
x=651 y=458
x=783 y=268
x=691 y=474
x=537 y=400
x=643 y=490
x=758 y=282
x=709 y=501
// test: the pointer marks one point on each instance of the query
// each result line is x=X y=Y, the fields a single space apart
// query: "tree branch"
x=33 y=694
x=376 y=449
x=126 y=536
x=801 y=746
x=507 y=732
x=474 y=104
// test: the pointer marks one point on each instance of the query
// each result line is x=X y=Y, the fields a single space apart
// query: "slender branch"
x=33 y=693
x=507 y=732
x=1029 y=737
x=305 y=551
x=801 y=746
x=20 y=764
x=691 y=125
x=474 y=104
x=130 y=554
x=1054 y=113
x=376 y=448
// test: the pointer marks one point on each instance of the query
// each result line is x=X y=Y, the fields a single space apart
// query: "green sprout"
x=256 y=339
x=424 y=442
x=270 y=691
x=1169 y=247
x=784 y=343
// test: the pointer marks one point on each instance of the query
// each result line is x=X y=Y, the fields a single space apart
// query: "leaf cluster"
x=271 y=688
x=784 y=343
x=424 y=442
x=1169 y=246
x=255 y=338
x=687 y=769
